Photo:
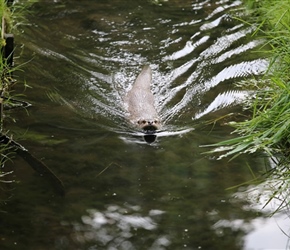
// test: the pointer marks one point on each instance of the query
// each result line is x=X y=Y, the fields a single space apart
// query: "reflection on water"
x=122 y=193
x=116 y=226
x=195 y=50
x=261 y=198
x=149 y=138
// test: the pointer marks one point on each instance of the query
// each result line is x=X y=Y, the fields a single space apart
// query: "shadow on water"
x=122 y=193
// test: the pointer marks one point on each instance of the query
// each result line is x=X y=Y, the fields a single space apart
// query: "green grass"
x=267 y=130
x=10 y=18
x=5 y=26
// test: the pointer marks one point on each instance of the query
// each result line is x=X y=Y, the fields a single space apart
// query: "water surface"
x=122 y=193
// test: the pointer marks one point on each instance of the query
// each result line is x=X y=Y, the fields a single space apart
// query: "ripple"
x=224 y=100
x=197 y=51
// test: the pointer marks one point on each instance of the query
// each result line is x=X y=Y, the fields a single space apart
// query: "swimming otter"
x=139 y=102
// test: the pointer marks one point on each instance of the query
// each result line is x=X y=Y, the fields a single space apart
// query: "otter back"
x=140 y=101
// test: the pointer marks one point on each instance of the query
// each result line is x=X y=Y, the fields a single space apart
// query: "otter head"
x=149 y=124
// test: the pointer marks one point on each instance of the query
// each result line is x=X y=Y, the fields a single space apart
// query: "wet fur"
x=139 y=102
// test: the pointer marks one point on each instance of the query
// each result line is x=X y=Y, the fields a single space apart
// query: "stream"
x=78 y=60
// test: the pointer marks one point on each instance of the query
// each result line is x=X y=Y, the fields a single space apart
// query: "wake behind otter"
x=139 y=102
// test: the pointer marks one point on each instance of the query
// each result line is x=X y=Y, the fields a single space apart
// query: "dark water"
x=122 y=193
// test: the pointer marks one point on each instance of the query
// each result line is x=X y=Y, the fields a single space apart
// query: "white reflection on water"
x=114 y=227
x=260 y=231
x=137 y=137
x=224 y=100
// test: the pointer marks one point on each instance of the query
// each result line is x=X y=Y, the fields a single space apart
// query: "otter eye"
x=141 y=122
x=155 y=121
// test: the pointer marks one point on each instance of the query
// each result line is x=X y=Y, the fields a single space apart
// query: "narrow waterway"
x=79 y=59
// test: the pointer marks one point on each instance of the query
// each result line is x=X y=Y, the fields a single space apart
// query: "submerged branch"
x=36 y=164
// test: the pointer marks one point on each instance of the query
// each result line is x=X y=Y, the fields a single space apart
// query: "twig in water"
x=112 y=163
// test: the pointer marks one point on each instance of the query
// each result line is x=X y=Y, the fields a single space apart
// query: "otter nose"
x=150 y=122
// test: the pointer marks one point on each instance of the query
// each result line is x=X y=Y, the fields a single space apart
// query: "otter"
x=139 y=102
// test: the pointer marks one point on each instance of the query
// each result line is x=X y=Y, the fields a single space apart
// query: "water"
x=122 y=193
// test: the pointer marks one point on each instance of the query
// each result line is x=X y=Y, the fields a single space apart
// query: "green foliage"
x=6 y=17
x=12 y=16
x=268 y=129
x=9 y=18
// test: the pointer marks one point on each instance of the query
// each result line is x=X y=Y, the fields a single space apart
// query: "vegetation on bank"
x=6 y=24
x=268 y=129
x=9 y=12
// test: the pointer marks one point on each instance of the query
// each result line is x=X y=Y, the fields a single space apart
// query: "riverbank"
x=11 y=16
x=268 y=129
x=6 y=63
